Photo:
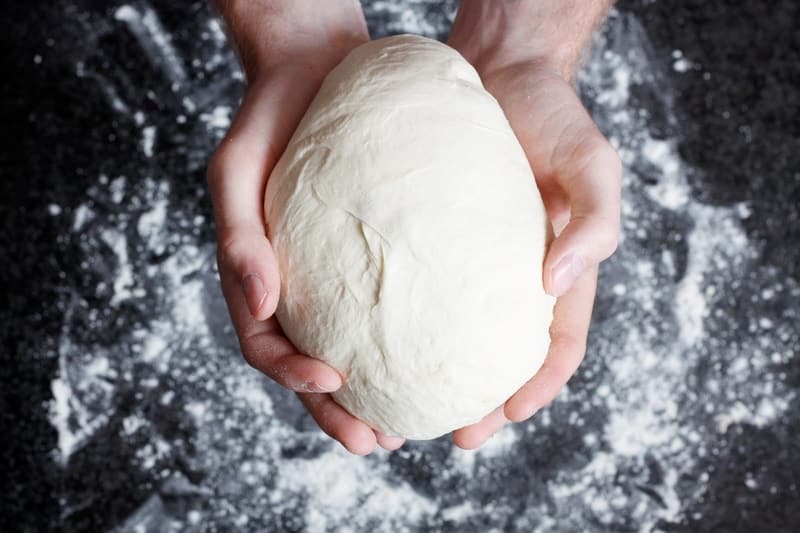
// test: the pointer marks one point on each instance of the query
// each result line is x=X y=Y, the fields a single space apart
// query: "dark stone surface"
x=124 y=400
x=737 y=107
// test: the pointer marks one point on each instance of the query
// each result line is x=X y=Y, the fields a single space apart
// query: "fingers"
x=263 y=344
x=273 y=355
x=265 y=347
x=571 y=318
x=357 y=437
x=389 y=443
x=473 y=436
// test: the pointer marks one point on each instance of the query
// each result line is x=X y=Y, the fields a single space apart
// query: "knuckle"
x=253 y=354
x=227 y=250
x=261 y=352
x=603 y=230
x=243 y=249
x=235 y=153
x=564 y=345
x=607 y=154
x=612 y=229
x=608 y=235
x=611 y=247
x=228 y=246
x=249 y=355
x=233 y=247
x=595 y=153
x=338 y=434
x=250 y=359
x=599 y=151
x=613 y=165
x=612 y=242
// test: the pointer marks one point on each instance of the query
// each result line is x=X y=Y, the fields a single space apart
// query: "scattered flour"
x=146 y=27
x=637 y=403
x=219 y=119
x=148 y=140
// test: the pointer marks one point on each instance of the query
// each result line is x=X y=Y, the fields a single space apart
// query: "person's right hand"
x=526 y=54
x=286 y=48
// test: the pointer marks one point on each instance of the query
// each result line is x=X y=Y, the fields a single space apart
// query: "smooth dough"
x=410 y=237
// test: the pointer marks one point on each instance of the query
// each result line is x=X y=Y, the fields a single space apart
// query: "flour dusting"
x=150 y=368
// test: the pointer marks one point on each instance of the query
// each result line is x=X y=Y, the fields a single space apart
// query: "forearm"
x=494 y=34
x=303 y=33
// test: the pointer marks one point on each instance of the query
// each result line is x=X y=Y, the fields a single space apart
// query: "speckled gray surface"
x=127 y=406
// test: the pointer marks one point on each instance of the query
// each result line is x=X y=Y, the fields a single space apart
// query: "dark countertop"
x=126 y=403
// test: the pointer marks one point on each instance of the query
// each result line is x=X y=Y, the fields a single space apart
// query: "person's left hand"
x=579 y=177
x=286 y=48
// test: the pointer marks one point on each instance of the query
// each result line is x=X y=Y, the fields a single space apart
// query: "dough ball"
x=410 y=237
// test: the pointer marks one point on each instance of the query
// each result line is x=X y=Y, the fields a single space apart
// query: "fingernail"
x=328 y=383
x=565 y=274
x=311 y=386
x=254 y=292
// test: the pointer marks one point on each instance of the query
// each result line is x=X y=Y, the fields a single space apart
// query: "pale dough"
x=410 y=236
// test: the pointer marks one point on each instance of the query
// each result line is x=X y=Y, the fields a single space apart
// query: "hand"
x=286 y=48
x=577 y=171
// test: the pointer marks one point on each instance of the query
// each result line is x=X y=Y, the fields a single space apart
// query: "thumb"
x=577 y=170
x=590 y=173
x=237 y=177
x=249 y=272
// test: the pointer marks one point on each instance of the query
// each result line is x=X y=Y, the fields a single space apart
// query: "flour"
x=123 y=281
x=663 y=388
x=431 y=18
x=153 y=39
x=218 y=120
x=648 y=376
x=148 y=140
x=680 y=63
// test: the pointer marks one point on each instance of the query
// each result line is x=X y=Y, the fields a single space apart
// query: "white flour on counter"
x=148 y=358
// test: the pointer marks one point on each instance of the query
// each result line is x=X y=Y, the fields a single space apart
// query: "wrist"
x=548 y=33
x=302 y=35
